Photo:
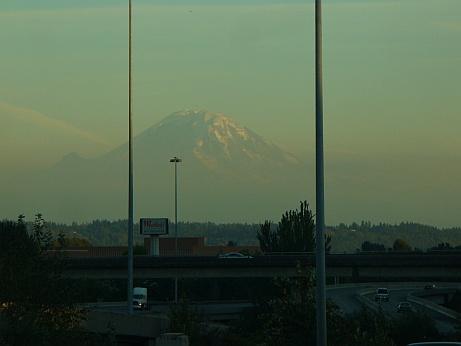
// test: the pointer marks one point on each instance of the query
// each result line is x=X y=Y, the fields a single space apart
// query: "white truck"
x=140 y=298
x=382 y=294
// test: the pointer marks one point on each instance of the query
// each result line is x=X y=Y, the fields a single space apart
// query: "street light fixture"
x=320 y=185
x=176 y=160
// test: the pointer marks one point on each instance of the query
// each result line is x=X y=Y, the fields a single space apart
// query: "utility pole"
x=176 y=160
x=319 y=191
x=130 y=170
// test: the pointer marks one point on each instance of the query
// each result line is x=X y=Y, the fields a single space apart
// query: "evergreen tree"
x=42 y=235
x=295 y=232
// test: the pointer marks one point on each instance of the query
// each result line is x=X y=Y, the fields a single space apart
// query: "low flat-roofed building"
x=187 y=246
x=93 y=251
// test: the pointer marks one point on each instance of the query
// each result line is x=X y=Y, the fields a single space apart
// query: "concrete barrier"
x=102 y=305
x=146 y=326
x=391 y=284
x=433 y=306
x=172 y=339
x=367 y=302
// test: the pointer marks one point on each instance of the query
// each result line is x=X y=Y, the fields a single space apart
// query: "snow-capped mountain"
x=225 y=167
x=213 y=141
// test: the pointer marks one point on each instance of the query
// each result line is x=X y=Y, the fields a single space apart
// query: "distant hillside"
x=345 y=238
x=105 y=233
x=348 y=238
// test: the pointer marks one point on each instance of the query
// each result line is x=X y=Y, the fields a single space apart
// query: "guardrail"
x=434 y=306
x=367 y=302
x=300 y=253
x=375 y=306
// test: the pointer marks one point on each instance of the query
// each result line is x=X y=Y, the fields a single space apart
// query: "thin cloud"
x=34 y=117
x=450 y=25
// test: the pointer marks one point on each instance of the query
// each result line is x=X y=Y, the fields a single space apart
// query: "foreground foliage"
x=36 y=303
x=288 y=318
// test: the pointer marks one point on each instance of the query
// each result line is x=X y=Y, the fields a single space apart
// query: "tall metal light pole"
x=319 y=190
x=176 y=160
x=130 y=171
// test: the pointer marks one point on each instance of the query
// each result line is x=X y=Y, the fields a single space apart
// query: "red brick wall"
x=187 y=246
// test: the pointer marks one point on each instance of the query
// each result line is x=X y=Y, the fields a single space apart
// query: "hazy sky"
x=392 y=87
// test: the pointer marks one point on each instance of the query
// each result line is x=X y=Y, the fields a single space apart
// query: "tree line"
x=342 y=238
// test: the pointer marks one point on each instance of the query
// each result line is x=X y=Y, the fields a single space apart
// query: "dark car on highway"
x=430 y=286
x=404 y=306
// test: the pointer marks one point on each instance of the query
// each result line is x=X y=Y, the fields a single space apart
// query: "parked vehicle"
x=404 y=306
x=430 y=286
x=382 y=294
x=140 y=298
x=234 y=255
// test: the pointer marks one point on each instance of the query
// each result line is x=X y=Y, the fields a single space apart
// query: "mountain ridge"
x=214 y=139
x=228 y=172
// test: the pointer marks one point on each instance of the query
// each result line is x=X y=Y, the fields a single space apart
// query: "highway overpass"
x=355 y=267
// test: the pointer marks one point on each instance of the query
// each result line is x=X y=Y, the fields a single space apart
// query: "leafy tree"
x=364 y=328
x=37 y=303
x=289 y=319
x=295 y=232
x=401 y=245
x=21 y=220
x=268 y=239
x=42 y=235
x=414 y=327
x=185 y=319
x=62 y=242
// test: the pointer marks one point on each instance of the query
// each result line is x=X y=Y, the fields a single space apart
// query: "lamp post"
x=130 y=171
x=175 y=160
x=319 y=188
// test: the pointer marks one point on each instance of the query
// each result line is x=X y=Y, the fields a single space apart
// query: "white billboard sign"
x=150 y=226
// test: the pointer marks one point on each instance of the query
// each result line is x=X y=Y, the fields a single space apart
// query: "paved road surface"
x=345 y=296
x=444 y=324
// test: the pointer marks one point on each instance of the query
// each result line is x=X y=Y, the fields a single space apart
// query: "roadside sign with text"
x=150 y=226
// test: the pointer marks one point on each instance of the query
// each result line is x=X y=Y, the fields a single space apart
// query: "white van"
x=140 y=298
x=382 y=294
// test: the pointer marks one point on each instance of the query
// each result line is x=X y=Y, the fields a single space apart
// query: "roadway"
x=345 y=296
x=398 y=294
x=213 y=310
